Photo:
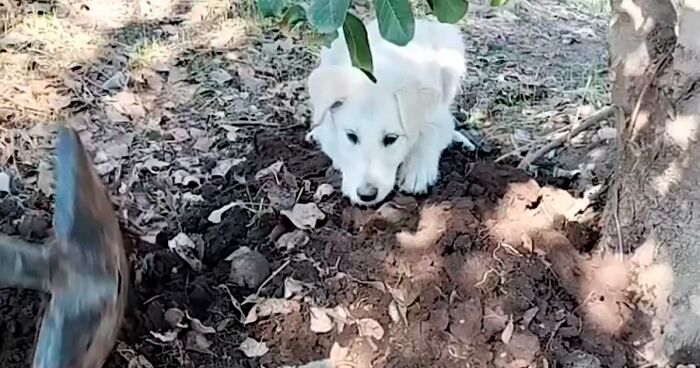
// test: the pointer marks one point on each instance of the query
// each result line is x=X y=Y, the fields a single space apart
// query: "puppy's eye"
x=389 y=139
x=352 y=137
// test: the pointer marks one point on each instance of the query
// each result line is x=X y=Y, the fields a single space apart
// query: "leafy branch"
x=394 y=17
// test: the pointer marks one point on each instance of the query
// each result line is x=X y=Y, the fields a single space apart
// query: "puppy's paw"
x=416 y=176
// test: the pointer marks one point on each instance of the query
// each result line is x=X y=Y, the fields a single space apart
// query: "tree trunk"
x=653 y=209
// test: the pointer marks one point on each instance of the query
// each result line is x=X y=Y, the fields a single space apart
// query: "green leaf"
x=294 y=16
x=496 y=3
x=271 y=8
x=328 y=15
x=328 y=38
x=449 y=11
x=396 y=23
x=358 y=45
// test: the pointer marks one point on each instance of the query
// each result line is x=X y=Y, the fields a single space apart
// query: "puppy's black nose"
x=367 y=193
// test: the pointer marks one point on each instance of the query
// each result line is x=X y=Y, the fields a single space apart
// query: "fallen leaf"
x=114 y=116
x=370 y=328
x=273 y=169
x=4 y=183
x=220 y=76
x=155 y=165
x=197 y=342
x=304 y=216
x=179 y=134
x=271 y=306
x=394 y=312
x=341 y=316
x=216 y=216
x=199 y=327
x=324 y=190
x=292 y=287
x=168 y=336
x=130 y=105
x=184 y=247
x=293 y=240
x=507 y=333
x=139 y=361
x=252 y=348
x=529 y=315
x=174 y=317
x=116 y=81
x=320 y=321
x=224 y=166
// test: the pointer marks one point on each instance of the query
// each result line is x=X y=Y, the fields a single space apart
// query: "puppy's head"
x=367 y=129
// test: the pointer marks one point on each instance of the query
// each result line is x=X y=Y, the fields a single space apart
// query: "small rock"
x=248 y=268
x=580 y=359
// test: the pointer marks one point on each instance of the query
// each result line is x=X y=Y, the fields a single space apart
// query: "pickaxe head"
x=89 y=271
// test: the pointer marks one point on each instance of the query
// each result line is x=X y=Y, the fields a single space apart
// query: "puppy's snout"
x=367 y=192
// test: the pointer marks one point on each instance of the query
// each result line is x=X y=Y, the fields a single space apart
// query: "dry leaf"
x=155 y=165
x=224 y=166
x=216 y=216
x=128 y=104
x=370 y=328
x=174 y=317
x=394 y=312
x=220 y=76
x=293 y=240
x=304 y=216
x=271 y=306
x=292 y=287
x=139 y=361
x=273 y=170
x=184 y=247
x=341 y=316
x=197 y=342
x=116 y=81
x=199 y=327
x=168 y=336
x=507 y=333
x=324 y=190
x=529 y=315
x=320 y=321
x=252 y=348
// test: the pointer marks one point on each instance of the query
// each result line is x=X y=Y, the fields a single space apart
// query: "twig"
x=600 y=115
x=272 y=276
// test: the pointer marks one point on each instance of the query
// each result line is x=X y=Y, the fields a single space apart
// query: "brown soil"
x=466 y=274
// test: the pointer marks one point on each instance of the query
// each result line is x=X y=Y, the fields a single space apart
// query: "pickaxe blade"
x=89 y=271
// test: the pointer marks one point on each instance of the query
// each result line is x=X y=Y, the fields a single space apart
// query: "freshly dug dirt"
x=484 y=270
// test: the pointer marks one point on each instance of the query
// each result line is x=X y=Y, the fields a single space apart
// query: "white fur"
x=415 y=86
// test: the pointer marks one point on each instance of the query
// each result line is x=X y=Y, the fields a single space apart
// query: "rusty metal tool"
x=84 y=268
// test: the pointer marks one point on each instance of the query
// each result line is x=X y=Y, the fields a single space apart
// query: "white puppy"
x=401 y=124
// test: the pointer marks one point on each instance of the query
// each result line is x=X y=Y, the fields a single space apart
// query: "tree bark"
x=653 y=209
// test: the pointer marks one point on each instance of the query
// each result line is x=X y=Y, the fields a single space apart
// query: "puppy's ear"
x=330 y=85
x=415 y=104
